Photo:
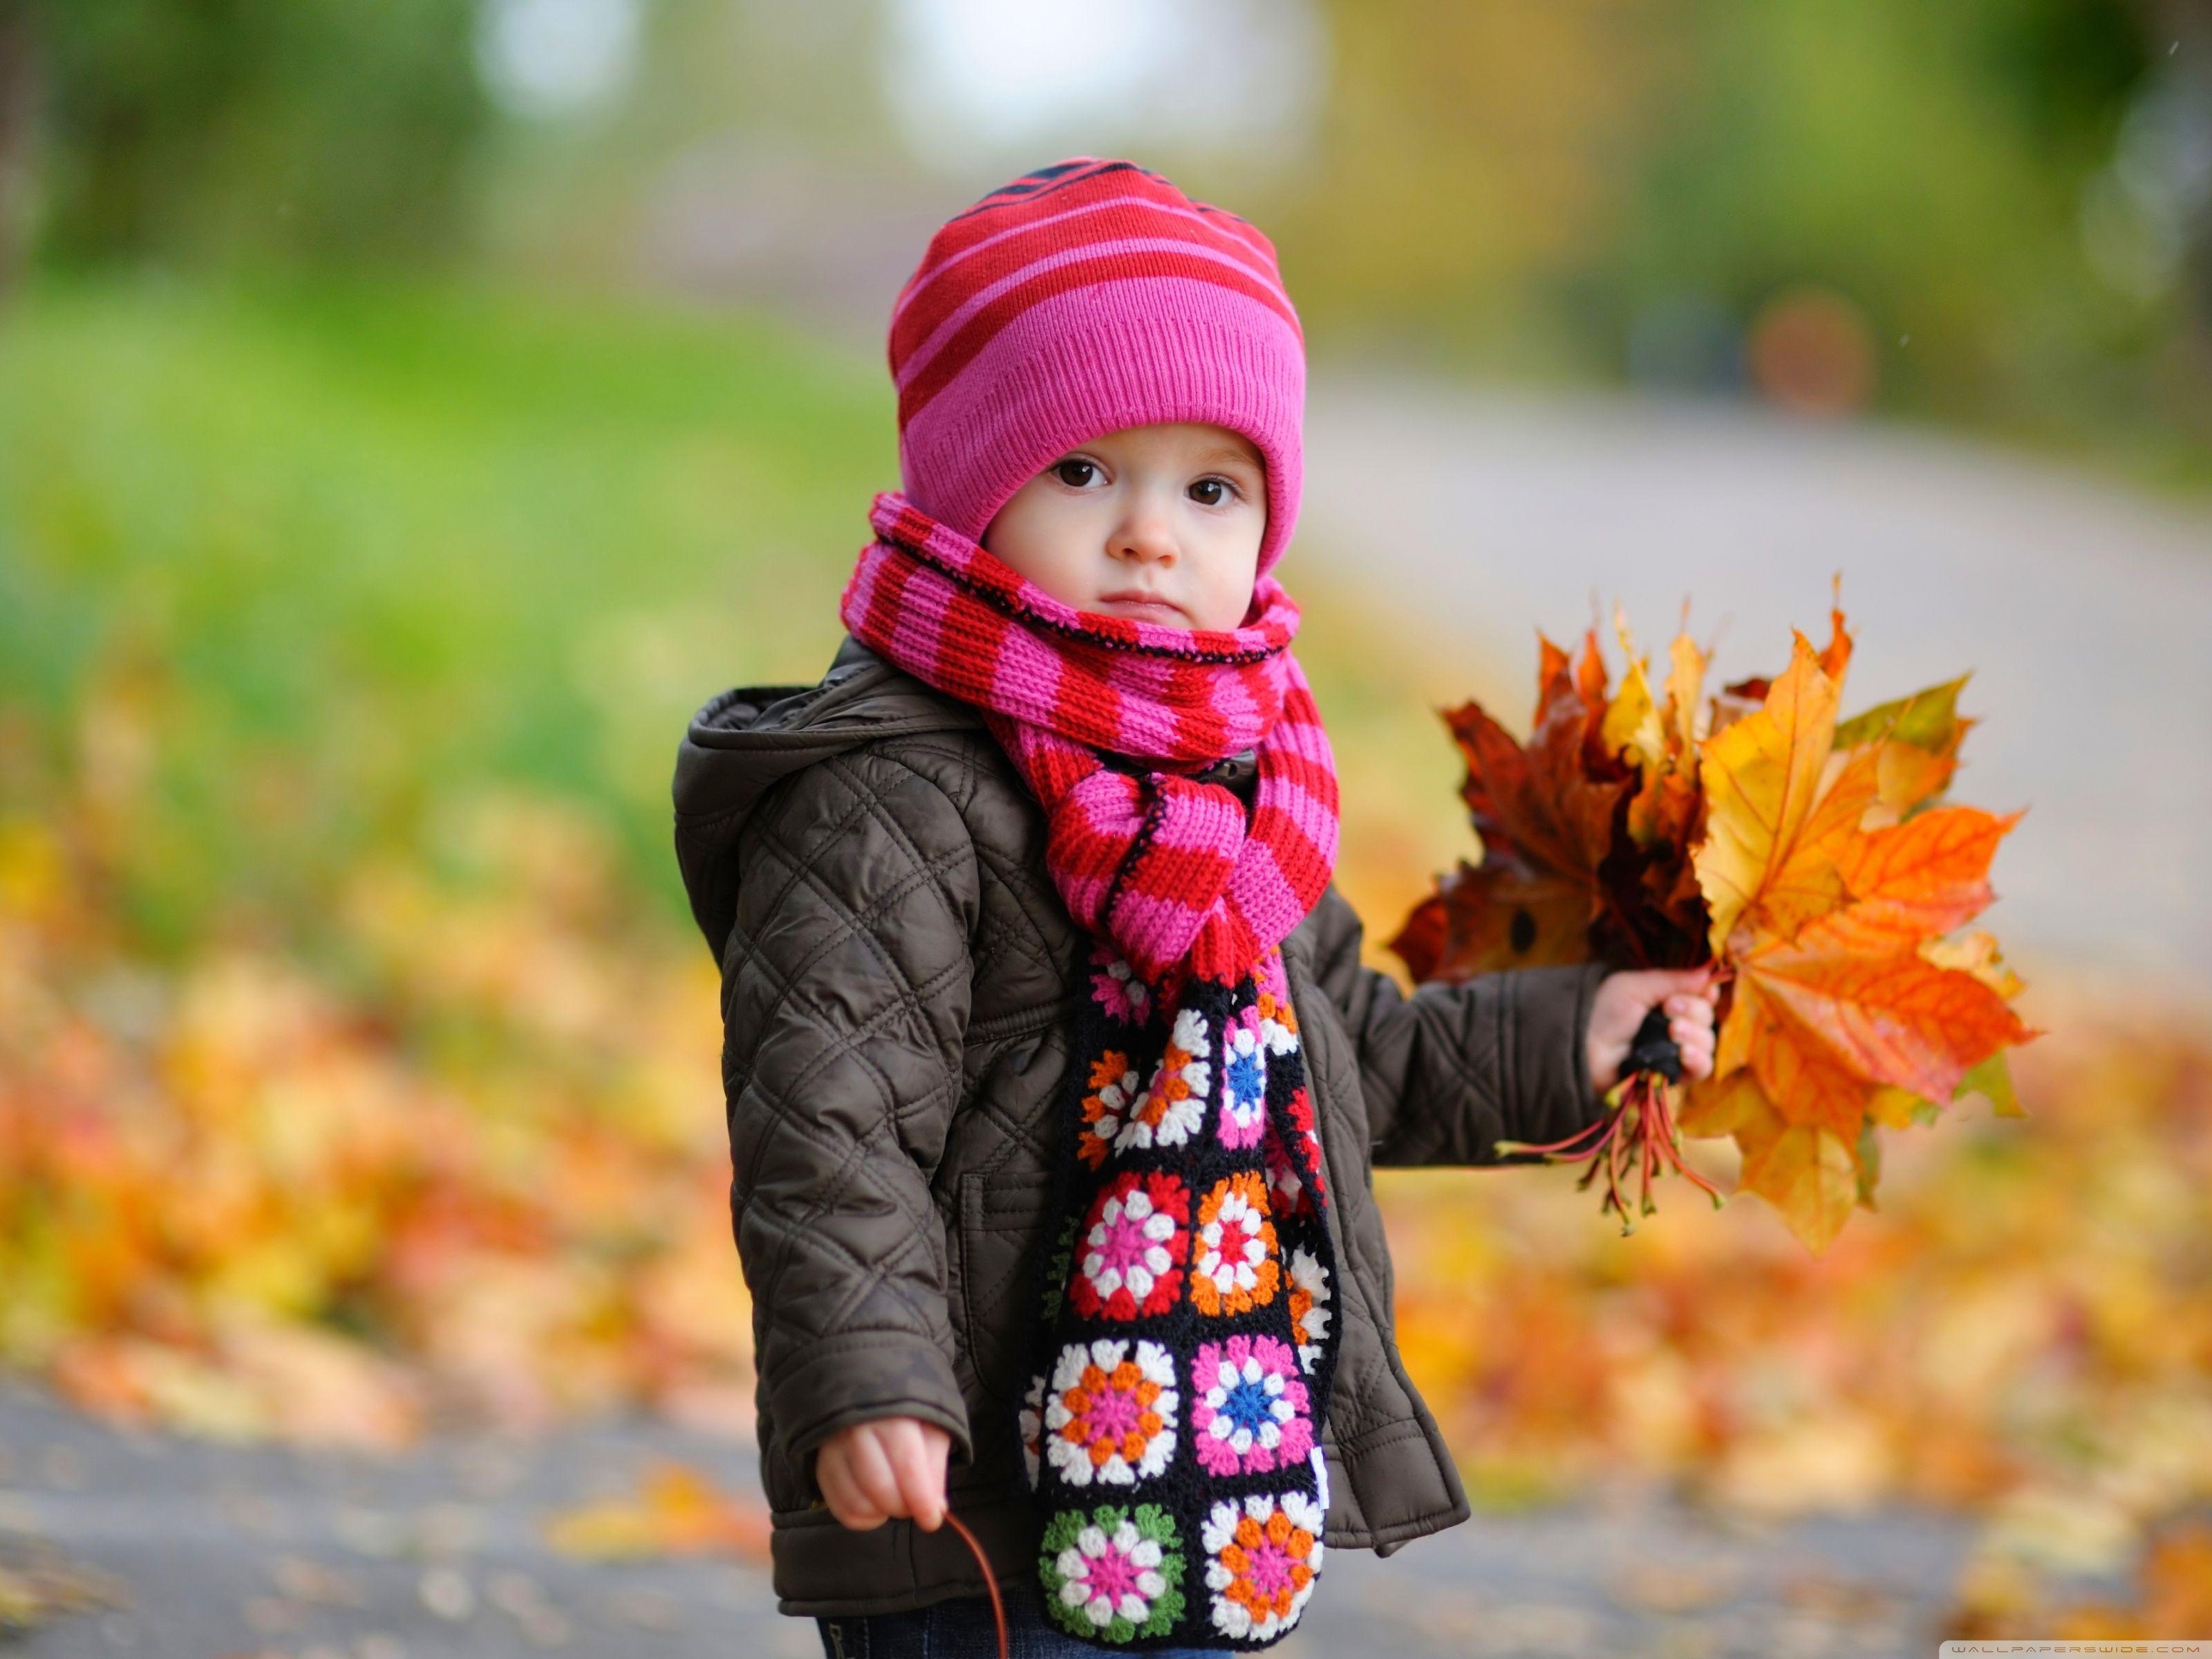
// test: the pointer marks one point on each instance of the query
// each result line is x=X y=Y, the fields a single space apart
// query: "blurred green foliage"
x=252 y=128
x=1616 y=188
x=345 y=547
x=1626 y=145
x=1928 y=163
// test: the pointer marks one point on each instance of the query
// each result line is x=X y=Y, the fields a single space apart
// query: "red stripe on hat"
x=979 y=331
x=1105 y=182
x=951 y=282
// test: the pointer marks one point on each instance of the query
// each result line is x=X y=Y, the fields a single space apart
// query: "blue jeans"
x=962 y=1628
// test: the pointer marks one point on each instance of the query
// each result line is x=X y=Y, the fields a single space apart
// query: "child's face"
x=1159 y=523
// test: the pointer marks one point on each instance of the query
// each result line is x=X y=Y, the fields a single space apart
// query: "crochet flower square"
x=1262 y=1555
x=1114 y=1095
x=1117 y=988
x=1110 y=1413
x=1235 y=1264
x=1309 y=1309
x=1248 y=1411
x=1278 y=1021
x=1243 y=1116
x=1129 y=1263
x=1175 y=1100
x=1114 y=1574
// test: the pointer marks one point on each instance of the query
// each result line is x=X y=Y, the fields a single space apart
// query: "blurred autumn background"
x=410 y=412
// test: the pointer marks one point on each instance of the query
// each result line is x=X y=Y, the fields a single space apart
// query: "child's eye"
x=1061 y=469
x=1228 y=492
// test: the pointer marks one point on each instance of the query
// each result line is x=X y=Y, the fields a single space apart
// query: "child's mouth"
x=1142 y=608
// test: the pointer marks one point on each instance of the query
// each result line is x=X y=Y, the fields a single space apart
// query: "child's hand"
x=871 y=1471
x=1624 y=998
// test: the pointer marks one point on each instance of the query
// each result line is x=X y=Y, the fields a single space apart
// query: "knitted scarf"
x=1171 y=1425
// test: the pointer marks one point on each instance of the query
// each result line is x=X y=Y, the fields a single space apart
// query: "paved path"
x=2084 y=611
x=438 y=1553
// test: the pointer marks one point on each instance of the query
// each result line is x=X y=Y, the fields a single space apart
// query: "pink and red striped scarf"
x=1163 y=865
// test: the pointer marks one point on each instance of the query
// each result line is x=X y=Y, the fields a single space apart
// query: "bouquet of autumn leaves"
x=1814 y=859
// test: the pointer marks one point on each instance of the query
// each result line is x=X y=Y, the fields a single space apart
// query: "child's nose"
x=1145 y=538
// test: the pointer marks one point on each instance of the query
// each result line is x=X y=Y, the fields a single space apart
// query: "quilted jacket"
x=898 y=975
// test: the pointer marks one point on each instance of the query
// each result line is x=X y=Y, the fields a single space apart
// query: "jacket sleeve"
x=846 y=994
x=1450 y=1070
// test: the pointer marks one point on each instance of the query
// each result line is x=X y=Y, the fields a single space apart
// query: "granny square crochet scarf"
x=1171 y=1425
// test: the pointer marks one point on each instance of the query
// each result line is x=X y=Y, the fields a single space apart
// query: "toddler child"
x=1054 y=1080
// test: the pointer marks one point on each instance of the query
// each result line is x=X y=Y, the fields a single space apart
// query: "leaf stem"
x=1636 y=1140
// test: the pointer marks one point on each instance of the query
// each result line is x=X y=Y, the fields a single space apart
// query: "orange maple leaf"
x=1928 y=874
x=1848 y=1004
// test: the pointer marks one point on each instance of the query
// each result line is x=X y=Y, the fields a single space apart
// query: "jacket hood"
x=747 y=738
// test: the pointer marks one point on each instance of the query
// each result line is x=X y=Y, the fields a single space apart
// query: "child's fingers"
x=918 y=1460
x=873 y=1473
x=1671 y=987
x=1691 y=1025
x=919 y=1492
x=833 y=1474
x=1695 y=1039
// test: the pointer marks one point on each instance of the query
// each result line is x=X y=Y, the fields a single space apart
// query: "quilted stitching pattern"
x=847 y=993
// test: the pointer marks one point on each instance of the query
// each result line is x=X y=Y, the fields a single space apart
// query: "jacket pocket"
x=1002 y=1227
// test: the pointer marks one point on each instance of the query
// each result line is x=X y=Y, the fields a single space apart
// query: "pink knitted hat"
x=1082 y=298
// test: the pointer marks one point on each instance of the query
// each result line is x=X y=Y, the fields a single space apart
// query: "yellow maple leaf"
x=1761 y=776
x=1807 y=1172
x=1686 y=678
x=1631 y=718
